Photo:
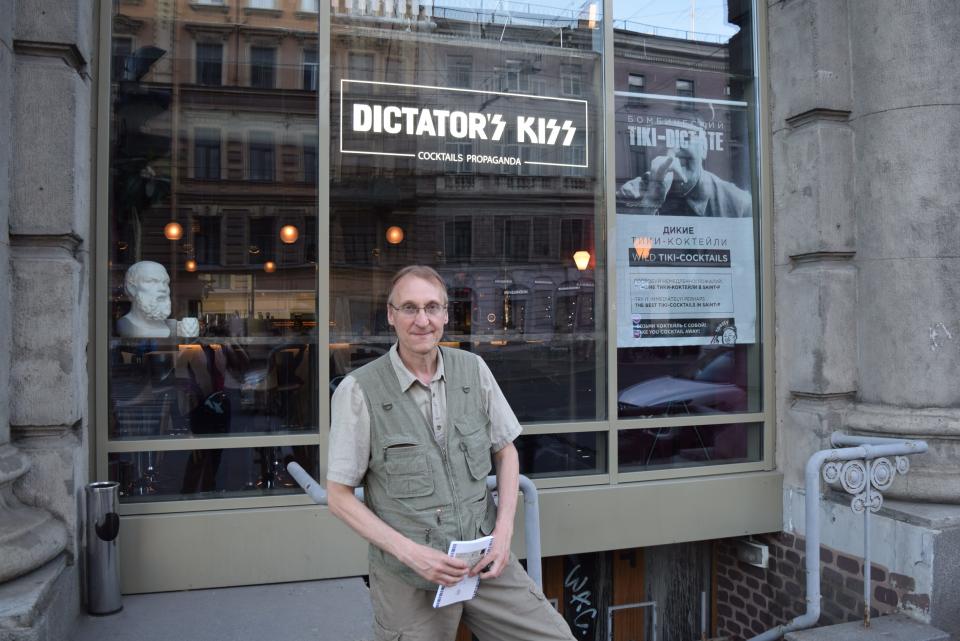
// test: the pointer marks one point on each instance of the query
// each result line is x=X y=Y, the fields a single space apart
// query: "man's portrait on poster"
x=678 y=184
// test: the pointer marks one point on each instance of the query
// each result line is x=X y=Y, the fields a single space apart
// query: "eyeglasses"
x=410 y=310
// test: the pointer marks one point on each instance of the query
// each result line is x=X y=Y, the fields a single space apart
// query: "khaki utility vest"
x=429 y=494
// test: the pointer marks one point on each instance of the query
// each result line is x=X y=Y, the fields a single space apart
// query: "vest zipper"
x=454 y=490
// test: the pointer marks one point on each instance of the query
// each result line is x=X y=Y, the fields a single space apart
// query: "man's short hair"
x=420 y=271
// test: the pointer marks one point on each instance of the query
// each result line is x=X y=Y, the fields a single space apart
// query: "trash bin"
x=103 y=568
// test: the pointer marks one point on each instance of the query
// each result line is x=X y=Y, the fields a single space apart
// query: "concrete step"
x=331 y=610
x=895 y=627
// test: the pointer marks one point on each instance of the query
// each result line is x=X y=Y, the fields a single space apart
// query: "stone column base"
x=935 y=476
x=42 y=605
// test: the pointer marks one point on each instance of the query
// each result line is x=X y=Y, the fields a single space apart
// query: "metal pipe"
x=868 y=448
x=866 y=549
x=531 y=512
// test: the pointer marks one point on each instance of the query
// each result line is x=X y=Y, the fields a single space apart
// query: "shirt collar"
x=405 y=376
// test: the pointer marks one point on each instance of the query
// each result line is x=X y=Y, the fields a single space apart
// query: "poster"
x=685 y=249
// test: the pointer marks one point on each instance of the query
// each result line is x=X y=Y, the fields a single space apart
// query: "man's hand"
x=496 y=558
x=431 y=564
x=434 y=565
x=651 y=189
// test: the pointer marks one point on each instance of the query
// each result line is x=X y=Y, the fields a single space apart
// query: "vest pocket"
x=475 y=445
x=408 y=472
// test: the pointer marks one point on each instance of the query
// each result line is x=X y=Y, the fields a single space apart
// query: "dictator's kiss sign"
x=439 y=124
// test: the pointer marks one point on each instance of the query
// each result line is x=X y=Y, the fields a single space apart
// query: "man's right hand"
x=435 y=566
x=651 y=189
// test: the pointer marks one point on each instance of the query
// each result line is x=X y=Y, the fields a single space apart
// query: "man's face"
x=690 y=160
x=420 y=333
x=152 y=294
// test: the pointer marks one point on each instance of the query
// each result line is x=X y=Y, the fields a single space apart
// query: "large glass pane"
x=212 y=233
x=687 y=224
x=209 y=474
x=574 y=454
x=689 y=446
x=466 y=136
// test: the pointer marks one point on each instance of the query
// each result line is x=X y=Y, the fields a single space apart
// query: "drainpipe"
x=867 y=448
x=531 y=512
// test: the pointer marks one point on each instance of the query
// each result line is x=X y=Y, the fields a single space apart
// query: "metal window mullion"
x=101 y=214
x=323 y=227
x=698 y=420
x=211 y=443
x=609 y=187
x=763 y=151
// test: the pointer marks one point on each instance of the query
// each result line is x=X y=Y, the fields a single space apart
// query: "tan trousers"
x=508 y=608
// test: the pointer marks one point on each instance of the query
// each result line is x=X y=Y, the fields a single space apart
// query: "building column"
x=45 y=187
x=904 y=60
x=866 y=200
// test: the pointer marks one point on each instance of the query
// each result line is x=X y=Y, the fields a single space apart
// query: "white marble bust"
x=147 y=285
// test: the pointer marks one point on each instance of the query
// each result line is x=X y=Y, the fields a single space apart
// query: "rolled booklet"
x=471 y=552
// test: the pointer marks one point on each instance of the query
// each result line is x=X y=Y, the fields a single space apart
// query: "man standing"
x=417 y=427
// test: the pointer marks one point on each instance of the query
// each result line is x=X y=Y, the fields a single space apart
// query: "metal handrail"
x=863 y=471
x=531 y=512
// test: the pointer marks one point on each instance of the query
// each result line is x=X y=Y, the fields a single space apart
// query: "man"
x=416 y=427
x=678 y=185
x=147 y=285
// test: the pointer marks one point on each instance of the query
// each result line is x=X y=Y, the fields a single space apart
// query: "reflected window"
x=360 y=67
x=262 y=240
x=458 y=239
x=209 y=64
x=685 y=88
x=206 y=154
x=460 y=71
x=206 y=240
x=571 y=80
x=263 y=63
x=310 y=160
x=310 y=69
x=261 y=4
x=636 y=83
x=122 y=47
x=262 y=165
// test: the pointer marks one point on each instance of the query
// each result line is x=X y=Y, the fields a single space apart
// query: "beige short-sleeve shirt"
x=349 y=451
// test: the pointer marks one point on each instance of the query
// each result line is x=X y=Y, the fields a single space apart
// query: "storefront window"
x=480 y=156
x=211 y=251
x=688 y=330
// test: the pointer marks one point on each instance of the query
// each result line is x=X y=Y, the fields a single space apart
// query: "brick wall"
x=751 y=600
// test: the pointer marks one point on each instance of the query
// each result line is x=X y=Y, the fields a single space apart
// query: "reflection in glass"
x=688 y=299
x=210 y=473
x=214 y=127
x=674 y=447
x=693 y=381
x=573 y=454
x=501 y=232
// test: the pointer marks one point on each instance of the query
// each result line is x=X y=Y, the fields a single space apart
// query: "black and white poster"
x=685 y=250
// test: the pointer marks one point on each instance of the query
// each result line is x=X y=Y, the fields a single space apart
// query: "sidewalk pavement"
x=332 y=610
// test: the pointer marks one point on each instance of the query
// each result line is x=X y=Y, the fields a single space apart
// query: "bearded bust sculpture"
x=147 y=285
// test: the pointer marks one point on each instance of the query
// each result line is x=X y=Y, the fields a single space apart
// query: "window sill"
x=273 y=13
x=214 y=8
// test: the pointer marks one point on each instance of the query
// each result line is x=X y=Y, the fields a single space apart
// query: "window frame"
x=611 y=425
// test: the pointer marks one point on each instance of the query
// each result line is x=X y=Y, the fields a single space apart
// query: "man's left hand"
x=494 y=562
